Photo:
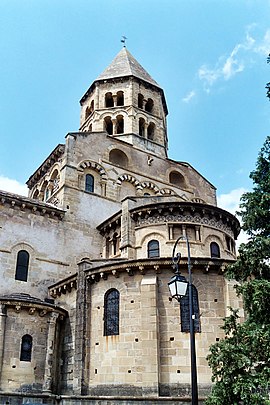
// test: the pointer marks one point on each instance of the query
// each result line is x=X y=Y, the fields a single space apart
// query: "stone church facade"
x=86 y=316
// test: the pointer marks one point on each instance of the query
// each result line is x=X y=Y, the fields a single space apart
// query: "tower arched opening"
x=109 y=100
x=120 y=98
x=151 y=131
x=108 y=125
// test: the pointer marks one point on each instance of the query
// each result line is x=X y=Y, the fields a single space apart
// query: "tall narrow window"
x=120 y=98
x=151 y=131
x=26 y=348
x=153 y=248
x=140 y=100
x=108 y=125
x=22 y=265
x=214 y=250
x=120 y=124
x=108 y=100
x=184 y=310
x=141 y=127
x=89 y=183
x=111 y=312
x=149 y=105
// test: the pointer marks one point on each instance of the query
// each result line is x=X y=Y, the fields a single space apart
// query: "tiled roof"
x=124 y=64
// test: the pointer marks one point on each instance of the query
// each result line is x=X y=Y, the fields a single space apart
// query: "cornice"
x=63 y=286
x=142 y=266
x=177 y=212
x=28 y=204
x=46 y=165
x=32 y=305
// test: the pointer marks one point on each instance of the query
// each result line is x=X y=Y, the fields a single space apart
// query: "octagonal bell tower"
x=127 y=104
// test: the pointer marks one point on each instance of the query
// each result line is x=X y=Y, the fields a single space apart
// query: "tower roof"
x=124 y=64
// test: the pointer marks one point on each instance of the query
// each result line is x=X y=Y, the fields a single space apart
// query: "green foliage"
x=240 y=362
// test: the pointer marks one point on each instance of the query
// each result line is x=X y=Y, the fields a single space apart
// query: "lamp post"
x=178 y=287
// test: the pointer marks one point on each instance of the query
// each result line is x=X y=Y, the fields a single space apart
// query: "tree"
x=241 y=361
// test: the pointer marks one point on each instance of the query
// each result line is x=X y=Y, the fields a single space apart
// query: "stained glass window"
x=22 y=265
x=26 y=348
x=184 y=310
x=214 y=250
x=153 y=248
x=89 y=183
x=111 y=312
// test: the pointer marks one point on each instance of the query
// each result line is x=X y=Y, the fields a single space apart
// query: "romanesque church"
x=86 y=316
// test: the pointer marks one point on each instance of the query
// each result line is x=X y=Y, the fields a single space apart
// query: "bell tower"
x=127 y=104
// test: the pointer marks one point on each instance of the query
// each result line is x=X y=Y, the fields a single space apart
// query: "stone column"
x=49 y=361
x=149 y=336
x=114 y=122
x=79 y=338
x=127 y=231
x=3 y=317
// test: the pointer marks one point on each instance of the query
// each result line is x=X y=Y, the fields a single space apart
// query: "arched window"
x=87 y=112
x=149 y=105
x=111 y=312
x=118 y=157
x=108 y=125
x=153 y=248
x=92 y=106
x=120 y=98
x=141 y=127
x=214 y=250
x=22 y=265
x=108 y=100
x=119 y=124
x=151 y=131
x=140 y=100
x=89 y=183
x=26 y=348
x=177 y=179
x=184 y=311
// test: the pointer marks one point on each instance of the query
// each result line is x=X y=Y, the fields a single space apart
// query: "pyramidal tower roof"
x=124 y=64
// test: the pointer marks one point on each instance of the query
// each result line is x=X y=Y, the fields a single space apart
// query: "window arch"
x=177 y=179
x=87 y=112
x=184 y=311
x=22 y=265
x=92 y=105
x=89 y=183
x=120 y=98
x=108 y=125
x=149 y=105
x=140 y=100
x=109 y=100
x=111 y=312
x=118 y=157
x=214 y=250
x=142 y=127
x=26 y=348
x=151 y=131
x=153 y=248
x=119 y=124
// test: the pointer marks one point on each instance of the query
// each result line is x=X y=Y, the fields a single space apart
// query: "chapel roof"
x=124 y=64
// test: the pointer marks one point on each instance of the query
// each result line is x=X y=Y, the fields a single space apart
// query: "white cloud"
x=236 y=61
x=264 y=46
x=189 y=96
x=13 y=186
x=230 y=202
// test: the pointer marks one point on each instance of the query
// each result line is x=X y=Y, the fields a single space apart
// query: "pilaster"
x=50 y=354
x=150 y=335
x=3 y=317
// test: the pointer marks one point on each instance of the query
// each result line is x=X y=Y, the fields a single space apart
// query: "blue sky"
x=209 y=56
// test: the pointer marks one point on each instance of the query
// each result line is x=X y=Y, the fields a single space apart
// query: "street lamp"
x=178 y=287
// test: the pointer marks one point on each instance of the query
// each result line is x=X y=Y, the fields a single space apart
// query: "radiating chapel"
x=86 y=316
